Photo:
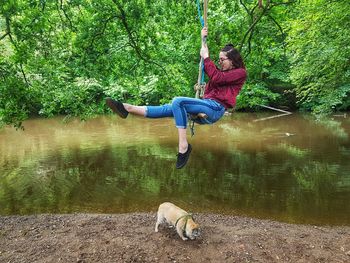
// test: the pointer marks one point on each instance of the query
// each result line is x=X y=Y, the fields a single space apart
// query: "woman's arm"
x=232 y=76
x=217 y=76
x=204 y=50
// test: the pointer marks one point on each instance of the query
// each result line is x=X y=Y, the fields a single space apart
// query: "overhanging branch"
x=265 y=9
x=132 y=41
x=8 y=31
x=254 y=21
x=3 y=36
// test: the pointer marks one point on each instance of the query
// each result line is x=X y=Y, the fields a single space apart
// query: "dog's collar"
x=186 y=216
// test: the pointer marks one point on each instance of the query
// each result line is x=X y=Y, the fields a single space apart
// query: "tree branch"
x=277 y=24
x=132 y=40
x=43 y=6
x=24 y=74
x=100 y=33
x=249 y=44
x=265 y=9
x=8 y=30
x=260 y=4
x=281 y=30
x=269 y=5
x=245 y=7
x=60 y=7
x=3 y=36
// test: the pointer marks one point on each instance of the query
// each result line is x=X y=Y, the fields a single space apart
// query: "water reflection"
x=293 y=169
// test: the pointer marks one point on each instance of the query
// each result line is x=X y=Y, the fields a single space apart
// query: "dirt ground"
x=131 y=238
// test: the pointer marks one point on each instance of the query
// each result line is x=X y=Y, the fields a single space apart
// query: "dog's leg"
x=159 y=221
x=180 y=232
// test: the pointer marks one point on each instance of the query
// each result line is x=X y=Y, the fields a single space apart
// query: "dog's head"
x=192 y=229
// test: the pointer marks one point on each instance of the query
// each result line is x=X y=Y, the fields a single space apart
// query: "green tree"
x=318 y=44
x=64 y=57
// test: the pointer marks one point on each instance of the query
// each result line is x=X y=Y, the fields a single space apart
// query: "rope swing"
x=200 y=85
x=200 y=118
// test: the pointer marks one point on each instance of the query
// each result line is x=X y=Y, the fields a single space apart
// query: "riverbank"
x=131 y=238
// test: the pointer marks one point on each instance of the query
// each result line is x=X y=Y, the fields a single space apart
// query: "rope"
x=200 y=85
x=199 y=88
x=203 y=22
x=200 y=13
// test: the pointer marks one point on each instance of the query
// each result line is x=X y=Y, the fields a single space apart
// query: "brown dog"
x=179 y=218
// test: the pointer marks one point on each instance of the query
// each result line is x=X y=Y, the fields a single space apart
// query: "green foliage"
x=14 y=98
x=76 y=98
x=313 y=176
x=255 y=94
x=318 y=41
x=147 y=52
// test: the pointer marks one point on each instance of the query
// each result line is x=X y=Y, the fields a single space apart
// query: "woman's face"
x=224 y=62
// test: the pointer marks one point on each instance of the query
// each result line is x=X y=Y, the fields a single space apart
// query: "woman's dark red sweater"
x=223 y=86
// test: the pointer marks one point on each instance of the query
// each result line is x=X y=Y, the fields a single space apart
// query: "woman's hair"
x=233 y=55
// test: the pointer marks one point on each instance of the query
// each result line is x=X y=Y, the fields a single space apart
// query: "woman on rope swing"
x=220 y=94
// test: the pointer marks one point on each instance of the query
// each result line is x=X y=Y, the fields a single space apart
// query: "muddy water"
x=293 y=168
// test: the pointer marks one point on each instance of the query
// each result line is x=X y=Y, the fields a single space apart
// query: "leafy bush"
x=255 y=94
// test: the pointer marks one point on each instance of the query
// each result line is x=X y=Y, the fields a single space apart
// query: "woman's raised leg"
x=136 y=110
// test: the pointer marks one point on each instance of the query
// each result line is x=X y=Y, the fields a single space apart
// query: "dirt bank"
x=131 y=238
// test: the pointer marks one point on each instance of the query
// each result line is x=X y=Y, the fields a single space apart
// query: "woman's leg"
x=183 y=144
x=167 y=111
x=136 y=110
x=159 y=111
x=123 y=109
x=179 y=109
x=182 y=106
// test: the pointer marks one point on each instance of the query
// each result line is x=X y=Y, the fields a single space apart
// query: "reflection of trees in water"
x=245 y=168
x=333 y=127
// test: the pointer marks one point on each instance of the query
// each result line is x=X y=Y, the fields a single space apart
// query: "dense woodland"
x=66 y=56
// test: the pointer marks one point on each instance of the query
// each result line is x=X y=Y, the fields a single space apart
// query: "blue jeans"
x=182 y=106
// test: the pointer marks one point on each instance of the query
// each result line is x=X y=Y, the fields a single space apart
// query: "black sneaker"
x=182 y=158
x=117 y=107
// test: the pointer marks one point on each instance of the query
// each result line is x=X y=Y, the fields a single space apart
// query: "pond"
x=293 y=169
